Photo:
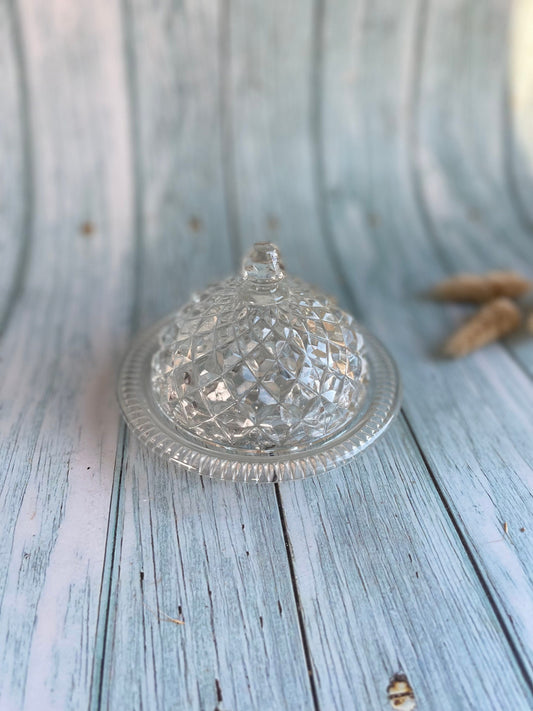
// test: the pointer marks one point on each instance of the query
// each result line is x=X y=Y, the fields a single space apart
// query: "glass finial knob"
x=263 y=263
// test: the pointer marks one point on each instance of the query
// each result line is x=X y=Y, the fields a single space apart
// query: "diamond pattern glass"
x=261 y=377
x=260 y=363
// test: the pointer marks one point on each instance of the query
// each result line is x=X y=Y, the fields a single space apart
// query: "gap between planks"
x=327 y=235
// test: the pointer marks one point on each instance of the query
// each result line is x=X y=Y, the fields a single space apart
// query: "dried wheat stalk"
x=482 y=288
x=492 y=321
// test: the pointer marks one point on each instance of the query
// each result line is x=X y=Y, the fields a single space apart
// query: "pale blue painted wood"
x=211 y=556
x=15 y=168
x=69 y=322
x=518 y=108
x=369 y=140
x=285 y=172
x=472 y=173
x=472 y=417
x=386 y=587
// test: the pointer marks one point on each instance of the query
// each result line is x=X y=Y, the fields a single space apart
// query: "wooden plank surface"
x=471 y=420
x=15 y=168
x=210 y=556
x=517 y=109
x=67 y=319
x=287 y=172
x=144 y=146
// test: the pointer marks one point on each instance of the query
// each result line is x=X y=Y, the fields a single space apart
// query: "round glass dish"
x=261 y=378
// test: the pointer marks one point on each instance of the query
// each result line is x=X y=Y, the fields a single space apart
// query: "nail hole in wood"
x=272 y=222
x=400 y=694
x=87 y=228
x=195 y=223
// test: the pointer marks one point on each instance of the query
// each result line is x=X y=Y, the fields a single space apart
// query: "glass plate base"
x=148 y=422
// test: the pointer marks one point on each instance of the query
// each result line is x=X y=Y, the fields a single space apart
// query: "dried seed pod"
x=492 y=321
x=481 y=288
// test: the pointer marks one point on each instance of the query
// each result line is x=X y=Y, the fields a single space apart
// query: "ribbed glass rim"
x=148 y=422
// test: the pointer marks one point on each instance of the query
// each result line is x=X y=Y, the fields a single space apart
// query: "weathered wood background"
x=144 y=145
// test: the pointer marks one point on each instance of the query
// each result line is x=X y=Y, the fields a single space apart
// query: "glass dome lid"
x=260 y=377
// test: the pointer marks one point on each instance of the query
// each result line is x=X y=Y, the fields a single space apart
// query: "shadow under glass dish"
x=261 y=377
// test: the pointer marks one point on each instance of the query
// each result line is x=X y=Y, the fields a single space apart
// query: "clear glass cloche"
x=261 y=377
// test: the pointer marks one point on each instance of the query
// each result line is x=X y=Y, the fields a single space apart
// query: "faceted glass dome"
x=261 y=378
x=260 y=362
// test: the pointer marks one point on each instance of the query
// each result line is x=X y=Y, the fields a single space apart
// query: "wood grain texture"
x=387 y=587
x=211 y=556
x=144 y=146
x=15 y=167
x=68 y=324
x=284 y=165
x=471 y=418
